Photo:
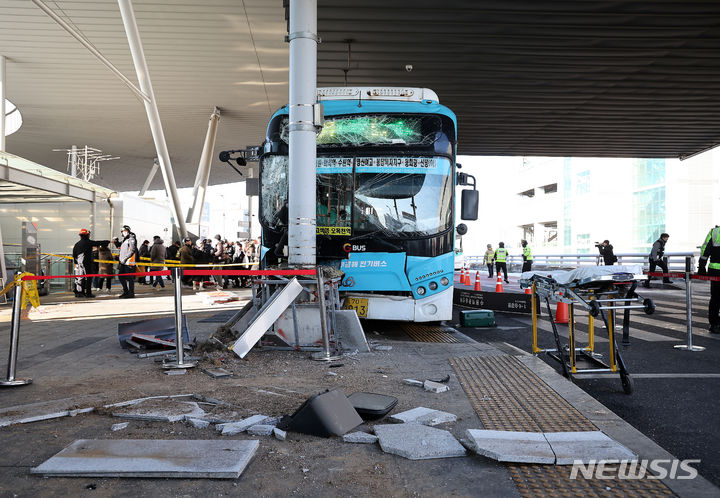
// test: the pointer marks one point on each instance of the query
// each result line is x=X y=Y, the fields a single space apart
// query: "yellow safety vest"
x=501 y=255
x=713 y=238
x=527 y=253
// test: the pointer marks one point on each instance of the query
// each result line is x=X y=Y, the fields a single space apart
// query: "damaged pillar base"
x=15 y=382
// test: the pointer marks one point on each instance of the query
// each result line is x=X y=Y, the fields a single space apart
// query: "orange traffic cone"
x=562 y=314
x=499 y=284
x=466 y=277
x=527 y=290
x=477 y=281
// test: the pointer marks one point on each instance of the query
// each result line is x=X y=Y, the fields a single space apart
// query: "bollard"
x=688 y=311
x=14 y=340
x=179 y=362
x=325 y=355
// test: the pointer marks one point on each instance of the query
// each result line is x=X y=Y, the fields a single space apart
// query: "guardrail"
x=675 y=260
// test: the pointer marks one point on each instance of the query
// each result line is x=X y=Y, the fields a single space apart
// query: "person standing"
x=82 y=257
x=157 y=257
x=104 y=254
x=500 y=258
x=488 y=259
x=127 y=259
x=172 y=250
x=527 y=256
x=656 y=258
x=185 y=253
x=606 y=251
x=144 y=252
x=711 y=250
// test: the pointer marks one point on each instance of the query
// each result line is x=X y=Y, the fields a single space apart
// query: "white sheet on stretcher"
x=584 y=272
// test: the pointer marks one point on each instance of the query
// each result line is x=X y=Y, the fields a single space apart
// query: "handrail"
x=676 y=260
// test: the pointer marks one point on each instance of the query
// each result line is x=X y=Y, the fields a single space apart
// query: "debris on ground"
x=261 y=430
x=217 y=373
x=233 y=428
x=435 y=387
x=418 y=442
x=413 y=382
x=423 y=416
x=360 y=437
x=443 y=380
x=279 y=434
x=119 y=427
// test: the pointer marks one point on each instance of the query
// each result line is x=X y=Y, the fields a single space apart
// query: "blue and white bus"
x=385 y=199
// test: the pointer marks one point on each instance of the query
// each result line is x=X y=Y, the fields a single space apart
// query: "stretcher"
x=601 y=291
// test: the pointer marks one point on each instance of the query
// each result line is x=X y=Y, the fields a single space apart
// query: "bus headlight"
x=421 y=291
x=432 y=285
x=444 y=281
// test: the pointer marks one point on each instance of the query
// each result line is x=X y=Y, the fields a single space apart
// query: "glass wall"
x=648 y=205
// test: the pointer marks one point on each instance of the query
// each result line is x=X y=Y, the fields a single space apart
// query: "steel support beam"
x=203 y=172
x=3 y=111
x=143 y=74
x=149 y=178
x=303 y=95
x=79 y=37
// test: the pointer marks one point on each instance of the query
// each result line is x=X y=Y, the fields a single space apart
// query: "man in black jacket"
x=82 y=257
x=606 y=251
x=656 y=258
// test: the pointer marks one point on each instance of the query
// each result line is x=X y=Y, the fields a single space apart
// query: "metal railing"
x=675 y=260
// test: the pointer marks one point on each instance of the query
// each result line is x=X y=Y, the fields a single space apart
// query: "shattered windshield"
x=375 y=129
x=398 y=196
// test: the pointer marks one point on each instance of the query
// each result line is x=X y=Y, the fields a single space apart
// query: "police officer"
x=656 y=258
x=527 y=256
x=711 y=250
x=500 y=258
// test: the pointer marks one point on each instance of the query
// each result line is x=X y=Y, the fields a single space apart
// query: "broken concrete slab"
x=160 y=410
x=418 y=442
x=119 y=427
x=586 y=446
x=151 y=458
x=260 y=430
x=435 y=387
x=360 y=437
x=45 y=410
x=279 y=434
x=198 y=423
x=509 y=446
x=217 y=373
x=413 y=382
x=350 y=332
x=424 y=416
x=241 y=426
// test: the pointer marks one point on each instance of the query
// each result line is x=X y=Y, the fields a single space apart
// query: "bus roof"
x=376 y=93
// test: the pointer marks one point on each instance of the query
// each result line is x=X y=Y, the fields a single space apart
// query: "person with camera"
x=606 y=251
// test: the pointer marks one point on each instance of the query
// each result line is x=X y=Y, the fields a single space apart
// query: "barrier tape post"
x=14 y=340
x=325 y=355
x=688 y=311
x=179 y=362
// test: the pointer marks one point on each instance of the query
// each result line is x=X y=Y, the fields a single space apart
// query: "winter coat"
x=104 y=254
x=157 y=251
x=186 y=255
x=128 y=249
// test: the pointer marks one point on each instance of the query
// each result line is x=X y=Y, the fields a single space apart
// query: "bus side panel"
x=374 y=271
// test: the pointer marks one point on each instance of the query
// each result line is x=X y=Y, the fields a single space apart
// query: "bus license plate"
x=359 y=304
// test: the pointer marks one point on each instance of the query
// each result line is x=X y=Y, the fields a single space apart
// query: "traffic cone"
x=562 y=314
x=466 y=277
x=499 y=284
x=477 y=281
x=527 y=290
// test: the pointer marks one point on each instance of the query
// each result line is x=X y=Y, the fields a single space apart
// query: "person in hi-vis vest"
x=527 y=256
x=500 y=258
x=711 y=250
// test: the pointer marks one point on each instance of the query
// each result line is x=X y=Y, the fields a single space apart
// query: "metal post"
x=203 y=173
x=302 y=155
x=149 y=178
x=143 y=74
x=179 y=346
x=325 y=355
x=3 y=111
x=14 y=340
x=688 y=310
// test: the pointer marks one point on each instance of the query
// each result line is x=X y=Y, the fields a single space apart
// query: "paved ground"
x=70 y=349
x=679 y=410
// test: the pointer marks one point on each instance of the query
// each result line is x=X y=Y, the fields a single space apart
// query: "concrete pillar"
x=303 y=94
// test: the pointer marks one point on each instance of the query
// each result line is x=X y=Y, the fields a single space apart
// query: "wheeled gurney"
x=601 y=290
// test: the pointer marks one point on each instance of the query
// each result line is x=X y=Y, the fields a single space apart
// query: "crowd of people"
x=95 y=257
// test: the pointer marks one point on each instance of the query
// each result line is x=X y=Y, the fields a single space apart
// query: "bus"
x=386 y=176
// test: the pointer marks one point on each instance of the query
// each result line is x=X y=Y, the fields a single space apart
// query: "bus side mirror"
x=469 y=204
